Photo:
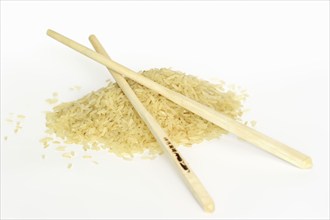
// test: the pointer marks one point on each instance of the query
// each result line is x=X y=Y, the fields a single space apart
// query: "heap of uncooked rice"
x=106 y=119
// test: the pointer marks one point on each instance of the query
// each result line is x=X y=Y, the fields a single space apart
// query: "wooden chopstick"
x=191 y=180
x=246 y=133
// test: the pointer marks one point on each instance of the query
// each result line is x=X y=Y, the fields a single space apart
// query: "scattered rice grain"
x=67 y=155
x=253 y=123
x=61 y=148
x=51 y=101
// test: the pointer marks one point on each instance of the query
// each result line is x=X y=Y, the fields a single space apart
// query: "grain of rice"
x=51 y=101
x=147 y=157
x=18 y=127
x=85 y=147
x=46 y=139
x=69 y=166
x=67 y=155
x=96 y=148
x=75 y=88
x=253 y=123
x=106 y=119
x=61 y=148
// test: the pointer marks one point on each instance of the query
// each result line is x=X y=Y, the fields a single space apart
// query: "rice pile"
x=105 y=119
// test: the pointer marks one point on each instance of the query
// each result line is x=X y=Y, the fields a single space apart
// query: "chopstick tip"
x=307 y=163
x=209 y=207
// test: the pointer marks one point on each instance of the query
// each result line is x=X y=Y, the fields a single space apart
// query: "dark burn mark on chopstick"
x=178 y=157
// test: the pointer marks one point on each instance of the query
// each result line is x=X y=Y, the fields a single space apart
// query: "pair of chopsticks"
x=246 y=133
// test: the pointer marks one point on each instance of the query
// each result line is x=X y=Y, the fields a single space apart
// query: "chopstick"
x=244 y=132
x=191 y=180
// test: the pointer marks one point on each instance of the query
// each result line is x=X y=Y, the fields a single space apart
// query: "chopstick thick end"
x=50 y=32
x=92 y=37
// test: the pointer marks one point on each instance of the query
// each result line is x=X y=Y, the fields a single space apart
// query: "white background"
x=278 y=51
